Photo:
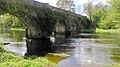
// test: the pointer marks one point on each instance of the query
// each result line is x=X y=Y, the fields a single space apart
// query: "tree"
x=114 y=13
x=112 y=19
x=107 y=16
x=66 y=5
x=97 y=14
x=88 y=7
x=100 y=13
x=9 y=21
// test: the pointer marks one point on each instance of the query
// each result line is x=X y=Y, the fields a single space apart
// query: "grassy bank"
x=8 y=59
x=97 y=30
x=88 y=30
x=17 y=29
x=107 y=30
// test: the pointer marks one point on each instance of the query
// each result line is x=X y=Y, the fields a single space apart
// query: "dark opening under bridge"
x=41 y=20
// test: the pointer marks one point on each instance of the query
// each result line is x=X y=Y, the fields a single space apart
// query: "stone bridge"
x=41 y=19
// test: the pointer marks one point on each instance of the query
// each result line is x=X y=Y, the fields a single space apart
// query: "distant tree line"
x=105 y=16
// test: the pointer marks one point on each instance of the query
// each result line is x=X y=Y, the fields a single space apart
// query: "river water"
x=79 y=50
x=14 y=40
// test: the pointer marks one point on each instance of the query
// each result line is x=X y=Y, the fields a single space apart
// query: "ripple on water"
x=16 y=47
x=89 y=52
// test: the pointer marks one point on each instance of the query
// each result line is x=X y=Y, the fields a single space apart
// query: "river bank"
x=8 y=59
x=17 y=29
x=98 y=30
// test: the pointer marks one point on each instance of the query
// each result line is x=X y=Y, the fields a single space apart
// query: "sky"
x=78 y=3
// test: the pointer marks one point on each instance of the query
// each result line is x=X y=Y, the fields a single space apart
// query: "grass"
x=8 y=59
x=98 y=30
x=17 y=29
x=88 y=30
x=107 y=30
x=112 y=65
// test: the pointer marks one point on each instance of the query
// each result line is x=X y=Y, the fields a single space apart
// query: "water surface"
x=14 y=40
x=93 y=50
x=79 y=50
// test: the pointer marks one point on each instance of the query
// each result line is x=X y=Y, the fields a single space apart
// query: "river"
x=79 y=50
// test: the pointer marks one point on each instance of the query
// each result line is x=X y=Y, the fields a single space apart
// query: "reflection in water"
x=38 y=46
x=34 y=46
x=93 y=51
x=12 y=36
x=17 y=47
x=15 y=41
x=62 y=45
x=87 y=53
x=42 y=46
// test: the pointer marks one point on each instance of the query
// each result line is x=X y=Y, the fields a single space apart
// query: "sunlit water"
x=80 y=50
x=93 y=50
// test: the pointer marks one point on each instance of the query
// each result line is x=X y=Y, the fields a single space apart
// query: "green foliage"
x=24 y=63
x=88 y=7
x=47 y=20
x=17 y=29
x=107 y=30
x=113 y=16
x=6 y=20
x=92 y=12
x=98 y=15
x=86 y=23
x=104 y=24
x=9 y=21
x=115 y=65
x=106 y=16
x=1 y=50
x=7 y=57
x=88 y=30
x=51 y=20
